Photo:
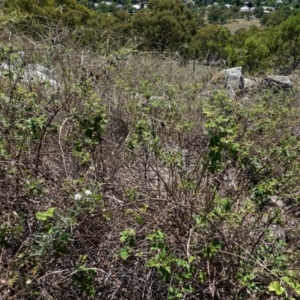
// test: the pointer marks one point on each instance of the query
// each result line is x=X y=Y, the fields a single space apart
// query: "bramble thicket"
x=129 y=169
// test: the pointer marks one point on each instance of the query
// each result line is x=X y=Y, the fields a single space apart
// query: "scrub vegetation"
x=127 y=172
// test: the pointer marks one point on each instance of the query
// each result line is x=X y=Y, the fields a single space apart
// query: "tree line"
x=166 y=26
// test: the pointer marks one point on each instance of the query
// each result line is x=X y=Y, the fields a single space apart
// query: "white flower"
x=88 y=192
x=78 y=197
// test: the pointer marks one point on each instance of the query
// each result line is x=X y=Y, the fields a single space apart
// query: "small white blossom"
x=88 y=192
x=78 y=197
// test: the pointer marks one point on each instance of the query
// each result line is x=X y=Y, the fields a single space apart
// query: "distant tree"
x=234 y=9
x=209 y=43
x=47 y=12
x=103 y=7
x=290 y=36
x=277 y=17
x=234 y=49
x=258 y=12
x=219 y=14
x=166 y=24
x=86 y=3
x=32 y=6
x=170 y=5
x=69 y=3
x=213 y=15
x=160 y=30
x=256 y=53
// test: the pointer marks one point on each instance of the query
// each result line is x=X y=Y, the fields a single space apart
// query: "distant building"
x=244 y=9
x=137 y=6
x=268 y=8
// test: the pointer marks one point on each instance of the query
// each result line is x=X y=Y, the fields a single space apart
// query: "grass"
x=242 y=23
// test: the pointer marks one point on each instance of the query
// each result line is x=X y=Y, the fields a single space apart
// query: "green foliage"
x=165 y=26
x=11 y=229
x=163 y=259
x=34 y=187
x=144 y=136
x=275 y=287
x=256 y=53
x=290 y=39
x=44 y=216
x=292 y=283
x=223 y=133
x=219 y=14
x=209 y=43
x=93 y=127
x=212 y=249
x=167 y=265
x=258 y=12
x=130 y=142
x=52 y=240
x=84 y=277
x=131 y=194
x=54 y=235
x=124 y=253
x=128 y=237
x=71 y=14
x=168 y=25
x=277 y=17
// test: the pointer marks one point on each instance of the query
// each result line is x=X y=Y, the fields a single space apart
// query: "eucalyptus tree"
x=290 y=37
x=209 y=43
x=165 y=25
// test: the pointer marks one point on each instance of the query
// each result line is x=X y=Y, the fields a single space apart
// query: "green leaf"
x=293 y=284
x=17 y=230
x=276 y=287
x=212 y=249
x=124 y=253
x=43 y=216
x=202 y=277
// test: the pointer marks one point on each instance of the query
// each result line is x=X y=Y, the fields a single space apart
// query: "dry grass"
x=242 y=23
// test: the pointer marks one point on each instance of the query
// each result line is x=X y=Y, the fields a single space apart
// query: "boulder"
x=250 y=83
x=234 y=78
x=279 y=82
x=30 y=72
x=231 y=93
x=38 y=73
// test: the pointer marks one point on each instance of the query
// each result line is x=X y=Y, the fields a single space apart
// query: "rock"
x=231 y=93
x=280 y=82
x=234 y=78
x=4 y=66
x=32 y=72
x=40 y=69
x=38 y=73
x=276 y=201
x=251 y=83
